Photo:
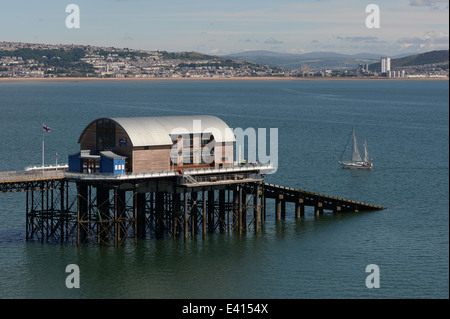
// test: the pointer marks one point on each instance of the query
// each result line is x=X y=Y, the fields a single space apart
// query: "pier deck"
x=319 y=201
x=23 y=181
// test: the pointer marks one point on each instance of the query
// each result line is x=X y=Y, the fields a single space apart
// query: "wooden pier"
x=82 y=209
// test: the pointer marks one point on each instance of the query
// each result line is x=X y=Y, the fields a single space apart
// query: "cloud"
x=249 y=41
x=430 y=3
x=273 y=41
x=371 y=39
x=217 y=51
x=429 y=41
x=425 y=2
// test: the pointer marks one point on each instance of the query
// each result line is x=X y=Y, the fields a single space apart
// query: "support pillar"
x=194 y=212
x=222 y=211
x=139 y=208
x=257 y=208
x=236 y=225
x=264 y=203
x=186 y=216
x=82 y=212
x=337 y=207
x=159 y=219
x=176 y=214
x=103 y=226
x=116 y=215
x=318 y=207
x=205 y=211
x=61 y=211
x=121 y=216
x=240 y=210
x=278 y=206
x=299 y=207
x=211 y=207
x=27 y=218
x=283 y=208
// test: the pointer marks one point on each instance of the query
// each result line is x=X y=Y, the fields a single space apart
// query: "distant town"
x=27 y=60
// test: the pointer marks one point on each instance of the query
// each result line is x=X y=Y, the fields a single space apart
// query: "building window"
x=188 y=149
x=106 y=135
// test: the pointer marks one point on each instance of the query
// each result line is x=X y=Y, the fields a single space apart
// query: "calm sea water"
x=406 y=125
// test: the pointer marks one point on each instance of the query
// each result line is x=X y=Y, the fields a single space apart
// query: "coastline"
x=73 y=79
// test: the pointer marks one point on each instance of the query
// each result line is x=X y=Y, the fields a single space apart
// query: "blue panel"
x=74 y=163
x=106 y=165
x=110 y=165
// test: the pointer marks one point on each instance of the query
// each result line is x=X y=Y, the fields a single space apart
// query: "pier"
x=156 y=177
x=81 y=209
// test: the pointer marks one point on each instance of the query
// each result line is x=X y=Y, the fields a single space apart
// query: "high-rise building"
x=385 y=64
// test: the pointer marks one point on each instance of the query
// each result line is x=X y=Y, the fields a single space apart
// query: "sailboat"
x=356 y=161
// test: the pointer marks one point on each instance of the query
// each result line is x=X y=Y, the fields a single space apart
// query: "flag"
x=46 y=128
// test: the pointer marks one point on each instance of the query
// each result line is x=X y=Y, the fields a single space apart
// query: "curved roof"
x=156 y=130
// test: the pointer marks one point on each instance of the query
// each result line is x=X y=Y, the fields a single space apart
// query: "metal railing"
x=191 y=179
x=37 y=175
x=167 y=173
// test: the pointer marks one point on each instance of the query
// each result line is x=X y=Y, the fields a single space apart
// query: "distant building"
x=304 y=68
x=385 y=65
x=396 y=74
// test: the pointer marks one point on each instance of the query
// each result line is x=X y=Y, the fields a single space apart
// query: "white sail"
x=366 y=153
x=356 y=156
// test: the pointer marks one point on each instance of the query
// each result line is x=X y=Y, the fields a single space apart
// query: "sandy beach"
x=43 y=80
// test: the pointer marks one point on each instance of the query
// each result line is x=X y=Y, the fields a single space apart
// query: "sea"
x=405 y=123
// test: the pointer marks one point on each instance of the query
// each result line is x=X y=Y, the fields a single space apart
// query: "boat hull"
x=357 y=165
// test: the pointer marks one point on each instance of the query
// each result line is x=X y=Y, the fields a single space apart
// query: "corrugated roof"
x=156 y=130
x=112 y=155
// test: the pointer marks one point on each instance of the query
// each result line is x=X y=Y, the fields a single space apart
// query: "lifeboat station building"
x=148 y=144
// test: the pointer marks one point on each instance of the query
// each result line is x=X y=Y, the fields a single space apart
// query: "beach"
x=82 y=79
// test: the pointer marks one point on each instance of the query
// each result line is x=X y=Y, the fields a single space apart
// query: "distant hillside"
x=43 y=60
x=315 y=60
x=432 y=57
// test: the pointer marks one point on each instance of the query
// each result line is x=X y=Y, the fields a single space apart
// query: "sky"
x=230 y=26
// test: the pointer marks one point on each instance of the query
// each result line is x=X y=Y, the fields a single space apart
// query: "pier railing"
x=41 y=175
x=262 y=168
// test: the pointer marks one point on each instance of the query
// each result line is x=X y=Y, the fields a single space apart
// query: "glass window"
x=106 y=135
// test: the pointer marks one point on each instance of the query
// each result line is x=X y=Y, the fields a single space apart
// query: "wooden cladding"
x=153 y=159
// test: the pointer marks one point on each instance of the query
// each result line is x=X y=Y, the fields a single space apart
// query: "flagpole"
x=43 y=134
x=45 y=129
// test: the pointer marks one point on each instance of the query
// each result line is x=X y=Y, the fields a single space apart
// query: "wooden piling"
x=278 y=207
x=222 y=204
x=211 y=207
x=257 y=209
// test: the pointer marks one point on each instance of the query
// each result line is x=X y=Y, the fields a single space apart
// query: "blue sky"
x=221 y=27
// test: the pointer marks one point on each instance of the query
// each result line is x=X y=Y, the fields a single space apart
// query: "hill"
x=432 y=57
x=315 y=60
x=43 y=60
